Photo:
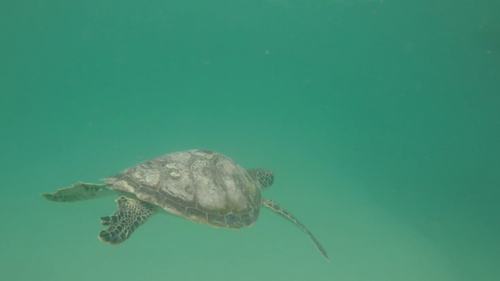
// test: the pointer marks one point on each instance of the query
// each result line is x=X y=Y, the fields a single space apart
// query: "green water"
x=380 y=120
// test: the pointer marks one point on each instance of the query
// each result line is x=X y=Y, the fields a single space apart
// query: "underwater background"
x=380 y=120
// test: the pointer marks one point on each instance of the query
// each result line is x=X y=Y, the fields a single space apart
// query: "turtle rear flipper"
x=78 y=192
x=130 y=215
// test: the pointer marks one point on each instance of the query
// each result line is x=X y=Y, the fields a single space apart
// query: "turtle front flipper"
x=130 y=215
x=78 y=192
x=280 y=209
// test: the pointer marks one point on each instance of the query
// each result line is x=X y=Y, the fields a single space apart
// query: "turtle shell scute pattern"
x=201 y=185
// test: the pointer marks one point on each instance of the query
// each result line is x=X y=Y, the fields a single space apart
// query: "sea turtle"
x=201 y=185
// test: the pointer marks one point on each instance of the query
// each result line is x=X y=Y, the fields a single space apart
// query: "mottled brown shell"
x=203 y=186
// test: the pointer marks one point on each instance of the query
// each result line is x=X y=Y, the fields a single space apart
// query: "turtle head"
x=264 y=178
